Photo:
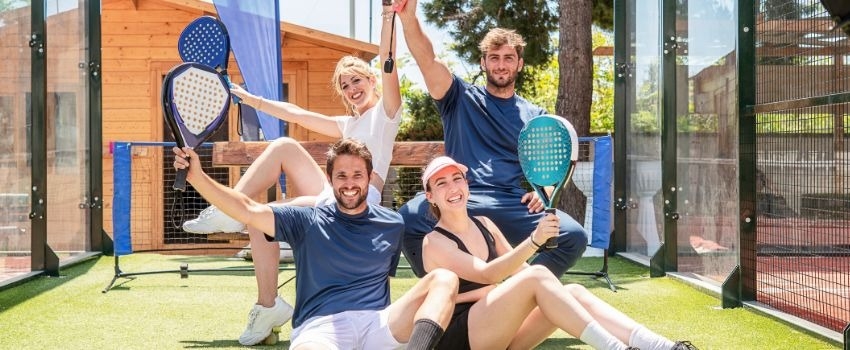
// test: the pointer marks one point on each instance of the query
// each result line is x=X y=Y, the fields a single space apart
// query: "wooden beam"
x=244 y=153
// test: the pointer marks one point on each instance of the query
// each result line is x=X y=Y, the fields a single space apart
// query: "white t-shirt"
x=377 y=131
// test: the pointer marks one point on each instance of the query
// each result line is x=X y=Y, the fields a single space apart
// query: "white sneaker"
x=212 y=220
x=262 y=319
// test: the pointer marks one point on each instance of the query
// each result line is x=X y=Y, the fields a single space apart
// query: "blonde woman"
x=373 y=119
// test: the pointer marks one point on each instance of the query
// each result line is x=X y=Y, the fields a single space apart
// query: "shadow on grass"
x=561 y=343
x=17 y=293
x=229 y=343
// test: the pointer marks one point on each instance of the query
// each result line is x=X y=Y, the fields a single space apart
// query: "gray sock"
x=426 y=334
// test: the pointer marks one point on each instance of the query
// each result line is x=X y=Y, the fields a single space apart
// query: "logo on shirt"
x=378 y=245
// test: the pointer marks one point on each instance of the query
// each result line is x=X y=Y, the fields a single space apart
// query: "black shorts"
x=456 y=336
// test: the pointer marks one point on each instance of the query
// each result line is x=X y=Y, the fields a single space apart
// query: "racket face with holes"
x=548 y=151
x=205 y=41
x=196 y=98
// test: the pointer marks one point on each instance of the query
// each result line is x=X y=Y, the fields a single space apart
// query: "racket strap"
x=239 y=118
x=178 y=203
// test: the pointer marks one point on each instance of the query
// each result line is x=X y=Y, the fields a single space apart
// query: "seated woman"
x=502 y=301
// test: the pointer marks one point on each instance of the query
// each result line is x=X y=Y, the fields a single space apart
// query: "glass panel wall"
x=67 y=129
x=643 y=83
x=707 y=138
x=15 y=122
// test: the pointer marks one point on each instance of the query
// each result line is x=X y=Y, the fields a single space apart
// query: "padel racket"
x=548 y=151
x=195 y=102
x=205 y=41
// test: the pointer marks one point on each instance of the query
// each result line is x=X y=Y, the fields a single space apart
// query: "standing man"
x=481 y=125
x=344 y=254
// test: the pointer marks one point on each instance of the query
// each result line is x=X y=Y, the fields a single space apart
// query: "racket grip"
x=180 y=180
x=552 y=242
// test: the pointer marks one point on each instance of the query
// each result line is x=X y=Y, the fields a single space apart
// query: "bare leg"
x=432 y=297
x=266 y=256
x=283 y=155
x=495 y=321
x=616 y=322
x=287 y=156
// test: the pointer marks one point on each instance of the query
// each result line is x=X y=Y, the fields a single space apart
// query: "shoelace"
x=252 y=316
x=206 y=213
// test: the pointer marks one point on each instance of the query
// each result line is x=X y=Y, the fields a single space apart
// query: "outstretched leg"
x=522 y=311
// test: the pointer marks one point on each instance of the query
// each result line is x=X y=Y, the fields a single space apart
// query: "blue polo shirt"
x=481 y=130
x=343 y=262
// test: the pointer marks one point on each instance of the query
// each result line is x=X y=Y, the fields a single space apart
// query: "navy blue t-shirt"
x=481 y=130
x=343 y=262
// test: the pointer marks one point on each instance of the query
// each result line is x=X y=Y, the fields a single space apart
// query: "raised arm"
x=437 y=76
x=389 y=81
x=231 y=202
x=290 y=113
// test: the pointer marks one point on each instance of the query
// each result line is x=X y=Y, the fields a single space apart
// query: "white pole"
x=351 y=19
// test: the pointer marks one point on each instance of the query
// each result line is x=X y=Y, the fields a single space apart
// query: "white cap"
x=438 y=164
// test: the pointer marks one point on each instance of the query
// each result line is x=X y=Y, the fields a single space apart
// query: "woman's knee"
x=538 y=273
x=576 y=290
x=443 y=278
x=283 y=143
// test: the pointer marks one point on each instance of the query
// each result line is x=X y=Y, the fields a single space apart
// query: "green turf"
x=163 y=311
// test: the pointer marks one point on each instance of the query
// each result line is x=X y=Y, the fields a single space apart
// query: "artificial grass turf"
x=209 y=310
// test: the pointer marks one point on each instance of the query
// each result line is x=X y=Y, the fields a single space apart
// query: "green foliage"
x=420 y=122
x=602 y=108
x=603 y=14
x=815 y=123
x=541 y=85
x=468 y=20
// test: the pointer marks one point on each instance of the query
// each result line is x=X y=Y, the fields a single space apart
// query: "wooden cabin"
x=139 y=43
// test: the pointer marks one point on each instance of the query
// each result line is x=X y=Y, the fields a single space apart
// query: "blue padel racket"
x=195 y=102
x=205 y=41
x=548 y=151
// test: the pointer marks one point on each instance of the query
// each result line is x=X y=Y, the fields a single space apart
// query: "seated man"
x=344 y=254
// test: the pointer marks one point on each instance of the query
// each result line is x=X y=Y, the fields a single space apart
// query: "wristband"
x=534 y=243
x=386 y=2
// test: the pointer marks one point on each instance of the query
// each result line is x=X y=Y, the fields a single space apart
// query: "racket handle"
x=180 y=180
x=233 y=98
x=552 y=242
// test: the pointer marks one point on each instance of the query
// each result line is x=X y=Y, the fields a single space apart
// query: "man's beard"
x=349 y=205
x=499 y=84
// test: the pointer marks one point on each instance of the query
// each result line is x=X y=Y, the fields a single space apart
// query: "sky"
x=333 y=16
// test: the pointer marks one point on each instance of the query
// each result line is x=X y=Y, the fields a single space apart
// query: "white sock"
x=646 y=339
x=599 y=338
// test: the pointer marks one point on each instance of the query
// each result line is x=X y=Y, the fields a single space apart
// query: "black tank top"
x=464 y=285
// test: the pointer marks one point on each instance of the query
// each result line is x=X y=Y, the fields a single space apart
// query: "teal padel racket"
x=548 y=151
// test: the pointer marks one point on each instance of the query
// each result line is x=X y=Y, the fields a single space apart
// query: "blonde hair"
x=498 y=37
x=350 y=65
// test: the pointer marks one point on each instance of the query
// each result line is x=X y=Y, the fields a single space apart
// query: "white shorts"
x=327 y=196
x=348 y=330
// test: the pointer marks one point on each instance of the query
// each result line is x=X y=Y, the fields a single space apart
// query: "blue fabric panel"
x=603 y=176
x=254 y=30
x=121 y=202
